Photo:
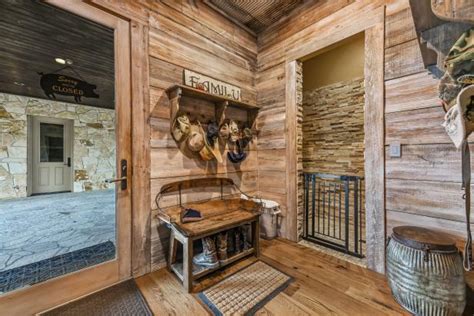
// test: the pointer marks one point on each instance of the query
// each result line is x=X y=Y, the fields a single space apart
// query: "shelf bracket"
x=252 y=118
x=221 y=107
x=174 y=96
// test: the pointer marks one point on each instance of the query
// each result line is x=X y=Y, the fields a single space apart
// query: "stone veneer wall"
x=299 y=148
x=330 y=136
x=93 y=150
x=333 y=128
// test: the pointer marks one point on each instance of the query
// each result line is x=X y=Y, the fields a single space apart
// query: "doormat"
x=56 y=266
x=246 y=291
x=123 y=299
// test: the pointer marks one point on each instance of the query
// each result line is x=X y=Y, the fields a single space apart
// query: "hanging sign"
x=61 y=84
x=211 y=85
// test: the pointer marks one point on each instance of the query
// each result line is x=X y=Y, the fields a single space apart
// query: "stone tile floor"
x=40 y=227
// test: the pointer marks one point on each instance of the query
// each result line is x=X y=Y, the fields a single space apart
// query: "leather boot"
x=245 y=233
x=238 y=240
x=208 y=257
x=231 y=242
x=222 y=246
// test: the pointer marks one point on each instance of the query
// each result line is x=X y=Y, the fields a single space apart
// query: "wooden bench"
x=218 y=216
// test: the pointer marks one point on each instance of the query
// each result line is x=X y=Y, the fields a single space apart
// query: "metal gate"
x=334 y=215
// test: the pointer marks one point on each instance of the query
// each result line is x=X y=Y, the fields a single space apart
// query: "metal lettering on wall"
x=61 y=84
x=211 y=85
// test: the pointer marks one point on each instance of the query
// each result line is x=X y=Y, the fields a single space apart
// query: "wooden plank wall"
x=186 y=35
x=424 y=185
x=270 y=83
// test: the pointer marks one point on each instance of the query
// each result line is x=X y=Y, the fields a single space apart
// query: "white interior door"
x=52 y=144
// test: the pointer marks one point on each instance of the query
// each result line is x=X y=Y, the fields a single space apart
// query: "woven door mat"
x=246 y=291
x=124 y=299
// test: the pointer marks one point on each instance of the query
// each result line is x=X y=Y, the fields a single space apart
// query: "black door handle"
x=123 y=174
x=69 y=161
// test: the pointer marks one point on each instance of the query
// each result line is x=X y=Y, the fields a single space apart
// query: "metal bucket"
x=269 y=219
x=426 y=276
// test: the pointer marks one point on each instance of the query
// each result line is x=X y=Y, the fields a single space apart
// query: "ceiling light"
x=60 y=60
x=68 y=61
x=21 y=84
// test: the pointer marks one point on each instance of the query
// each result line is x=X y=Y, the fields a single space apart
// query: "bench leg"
x=256 y=237
x=173 y=249
x=188 y=264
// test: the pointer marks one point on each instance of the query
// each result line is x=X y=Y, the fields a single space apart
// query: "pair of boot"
x=238 y=240
x=215 y=249
x=210 y=256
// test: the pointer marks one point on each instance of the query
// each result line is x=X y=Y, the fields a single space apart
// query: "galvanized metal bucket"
x=269 y=219
x=425 y=272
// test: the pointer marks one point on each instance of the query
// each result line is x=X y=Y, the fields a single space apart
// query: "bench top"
x=217 y=215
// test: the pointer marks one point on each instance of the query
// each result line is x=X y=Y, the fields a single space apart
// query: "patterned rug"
x=56 y=266
x=246 y=291
x=123 y=299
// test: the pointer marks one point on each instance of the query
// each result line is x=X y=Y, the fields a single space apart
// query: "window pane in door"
x=51 y=142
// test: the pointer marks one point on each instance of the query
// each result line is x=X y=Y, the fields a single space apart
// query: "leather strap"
x=466 y=186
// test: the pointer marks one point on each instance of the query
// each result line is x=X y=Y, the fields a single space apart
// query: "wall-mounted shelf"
x=221 y=103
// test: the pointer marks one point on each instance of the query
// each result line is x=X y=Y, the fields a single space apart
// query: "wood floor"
x=323 y=285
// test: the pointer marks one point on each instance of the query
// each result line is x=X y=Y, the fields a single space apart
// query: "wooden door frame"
x=133 y=216
x=374 y=28
x=30 y=149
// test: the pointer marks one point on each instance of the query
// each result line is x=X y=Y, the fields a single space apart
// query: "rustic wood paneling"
x=191 y=35
x=403 y=59
x=290 y=229
x=411 y=92
x=342 y=24
x=374 y=151
x=426 y=198
x=421 y=126
x=423 y=186
x=434 y=162
x=399 y=28
x=141 y=216
x=303 y=16
x=302 y=35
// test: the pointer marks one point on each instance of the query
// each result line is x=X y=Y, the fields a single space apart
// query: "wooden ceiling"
x=33 y=34
x=255 y=15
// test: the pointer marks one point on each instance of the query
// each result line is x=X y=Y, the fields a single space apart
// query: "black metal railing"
x=334 y=214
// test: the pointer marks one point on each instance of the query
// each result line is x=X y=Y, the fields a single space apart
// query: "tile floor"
x=41 y=227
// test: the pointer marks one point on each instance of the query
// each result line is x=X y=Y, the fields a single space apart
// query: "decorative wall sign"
x=211 y=85
x=61 y=84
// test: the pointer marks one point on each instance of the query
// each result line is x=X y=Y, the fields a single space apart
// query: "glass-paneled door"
x=65 y=220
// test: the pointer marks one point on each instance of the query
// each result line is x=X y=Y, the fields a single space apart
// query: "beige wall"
x=341 y=62
x=93 y=150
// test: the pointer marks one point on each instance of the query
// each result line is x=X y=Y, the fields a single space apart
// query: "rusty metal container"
x=425 y=271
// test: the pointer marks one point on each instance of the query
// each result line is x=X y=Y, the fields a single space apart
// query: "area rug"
x=56 y=266
x=123 y=299
x=246 y=291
